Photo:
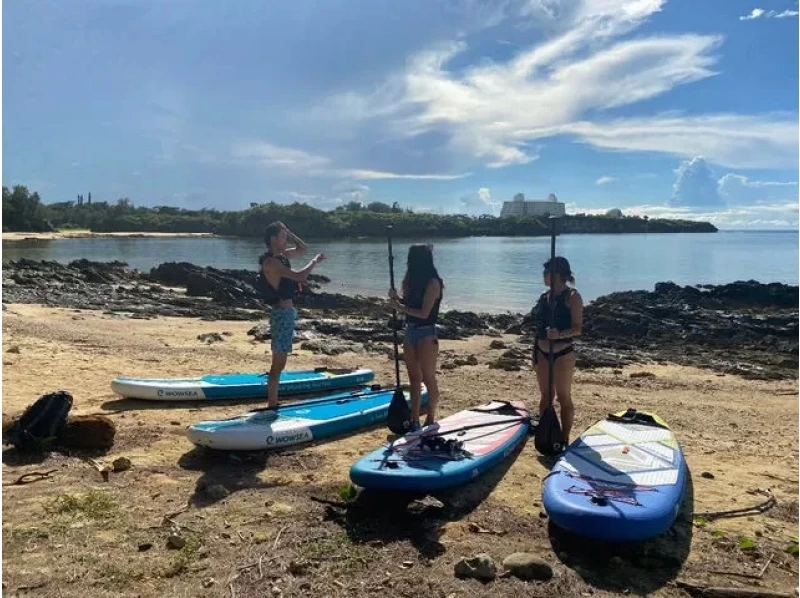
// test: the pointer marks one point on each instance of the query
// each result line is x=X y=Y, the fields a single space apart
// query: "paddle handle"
x=394 y=312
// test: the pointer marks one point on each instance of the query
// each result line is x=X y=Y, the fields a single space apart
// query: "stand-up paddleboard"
x=298 y=423
x=467 y=444
x=238 y=385
x=622 y=480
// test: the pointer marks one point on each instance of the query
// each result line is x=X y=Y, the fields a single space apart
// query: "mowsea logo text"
x=292 y=437
x=178 y=393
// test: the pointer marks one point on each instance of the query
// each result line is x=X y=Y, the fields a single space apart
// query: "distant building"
x=521 y=207
x=614 y=213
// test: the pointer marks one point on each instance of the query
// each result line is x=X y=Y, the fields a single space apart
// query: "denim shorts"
x=414 y=334
x=281 y=327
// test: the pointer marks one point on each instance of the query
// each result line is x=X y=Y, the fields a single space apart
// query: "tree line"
x=24 y=211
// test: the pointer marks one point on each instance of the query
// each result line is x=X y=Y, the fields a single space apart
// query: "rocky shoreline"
x=746 y=328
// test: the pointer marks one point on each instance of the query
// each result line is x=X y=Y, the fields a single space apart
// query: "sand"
x=737 y=435
x=85 y=233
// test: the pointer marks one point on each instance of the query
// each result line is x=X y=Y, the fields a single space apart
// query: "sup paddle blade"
x=399 y=417
x=549 y=439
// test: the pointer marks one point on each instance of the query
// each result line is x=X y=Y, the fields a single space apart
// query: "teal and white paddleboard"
x=238 y=385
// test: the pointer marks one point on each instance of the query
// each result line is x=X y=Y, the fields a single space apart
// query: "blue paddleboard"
x=487 y=434
x=620 y=481
x=238 y=385
x=297 y=423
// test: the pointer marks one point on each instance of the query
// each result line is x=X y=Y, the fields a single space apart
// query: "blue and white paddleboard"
x=297 y=423
x=487 y=433
x=620 y=481
x=238 y=385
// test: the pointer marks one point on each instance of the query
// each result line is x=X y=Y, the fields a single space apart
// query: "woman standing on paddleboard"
x=282 y=286
x=422 y=295
x=566 y=324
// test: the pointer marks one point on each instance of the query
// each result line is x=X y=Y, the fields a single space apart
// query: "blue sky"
x=675 y=109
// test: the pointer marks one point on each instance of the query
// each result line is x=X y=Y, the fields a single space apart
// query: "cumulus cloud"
x=758 y=13
x=696 y=185
x=581 y=65
x=605 y=180
x=479 y=202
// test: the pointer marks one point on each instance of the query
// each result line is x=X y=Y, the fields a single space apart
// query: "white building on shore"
x=521 y=207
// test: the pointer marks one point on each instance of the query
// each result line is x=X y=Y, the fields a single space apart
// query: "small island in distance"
x=24 y=211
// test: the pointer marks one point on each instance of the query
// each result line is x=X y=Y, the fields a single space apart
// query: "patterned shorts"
x=281 y=325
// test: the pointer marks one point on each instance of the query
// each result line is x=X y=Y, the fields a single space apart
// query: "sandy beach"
x=85 y=234
x=273 y=532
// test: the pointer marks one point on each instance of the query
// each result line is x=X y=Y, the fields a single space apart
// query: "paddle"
x=549 y=438
x=399 y=418
x=339 y=398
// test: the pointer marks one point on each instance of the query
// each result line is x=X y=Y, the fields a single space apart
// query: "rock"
x=497 y=344
x=217 y=492
x=260 y=332
x=208 y=582
x=642 y=375
x=88 y=432
x=145 y=546
x=527 y=566
x=298 y=568
x=707 y=475
x=14 y=349
x=616 y=561
x=175 y=542
x=480 y=567
x=121 y=464
x=328 y=347
x=210 y=337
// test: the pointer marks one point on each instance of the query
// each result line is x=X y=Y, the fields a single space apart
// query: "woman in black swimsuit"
x=566 y=325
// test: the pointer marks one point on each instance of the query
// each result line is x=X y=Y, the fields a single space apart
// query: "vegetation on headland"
x=23 y=211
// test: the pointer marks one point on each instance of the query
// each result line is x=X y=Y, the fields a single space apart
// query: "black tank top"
x=287 y=288
x=415 y=302
x=562 y=313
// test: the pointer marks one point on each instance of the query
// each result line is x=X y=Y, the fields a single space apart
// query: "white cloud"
x=379 y=174
x=736 y=141
x=479 y=202
x=605 y=180
x=491 y=111
x=758 y=13
x=740 y=189
x=290 y=159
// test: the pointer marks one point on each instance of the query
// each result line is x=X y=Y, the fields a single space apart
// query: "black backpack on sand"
x=41 y=423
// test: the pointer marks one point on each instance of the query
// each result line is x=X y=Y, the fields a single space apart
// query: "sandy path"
x=743 y=432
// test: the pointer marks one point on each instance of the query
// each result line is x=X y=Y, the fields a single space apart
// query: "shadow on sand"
x=391 y=516
x=637 y=567
x=233 y=471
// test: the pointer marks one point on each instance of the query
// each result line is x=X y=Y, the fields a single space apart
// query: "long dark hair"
x=561 y=266
x=420 y=270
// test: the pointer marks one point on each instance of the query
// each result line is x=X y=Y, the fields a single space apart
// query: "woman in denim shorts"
x=283 y=284
x=422 y=295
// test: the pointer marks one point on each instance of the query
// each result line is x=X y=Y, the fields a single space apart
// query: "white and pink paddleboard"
x=466 y=444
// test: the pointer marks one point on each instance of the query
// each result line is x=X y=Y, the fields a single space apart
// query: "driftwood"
x=34 y=476
x=761 y=507
x=722 y=592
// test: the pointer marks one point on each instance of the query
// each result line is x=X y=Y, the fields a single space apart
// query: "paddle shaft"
x=394 y=312
x=552 y=305
x=515 y=420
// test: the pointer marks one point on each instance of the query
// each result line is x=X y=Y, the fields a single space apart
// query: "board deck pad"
x=617 y=482
x=238 y=385
x=489 y=433
x=299 y=423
